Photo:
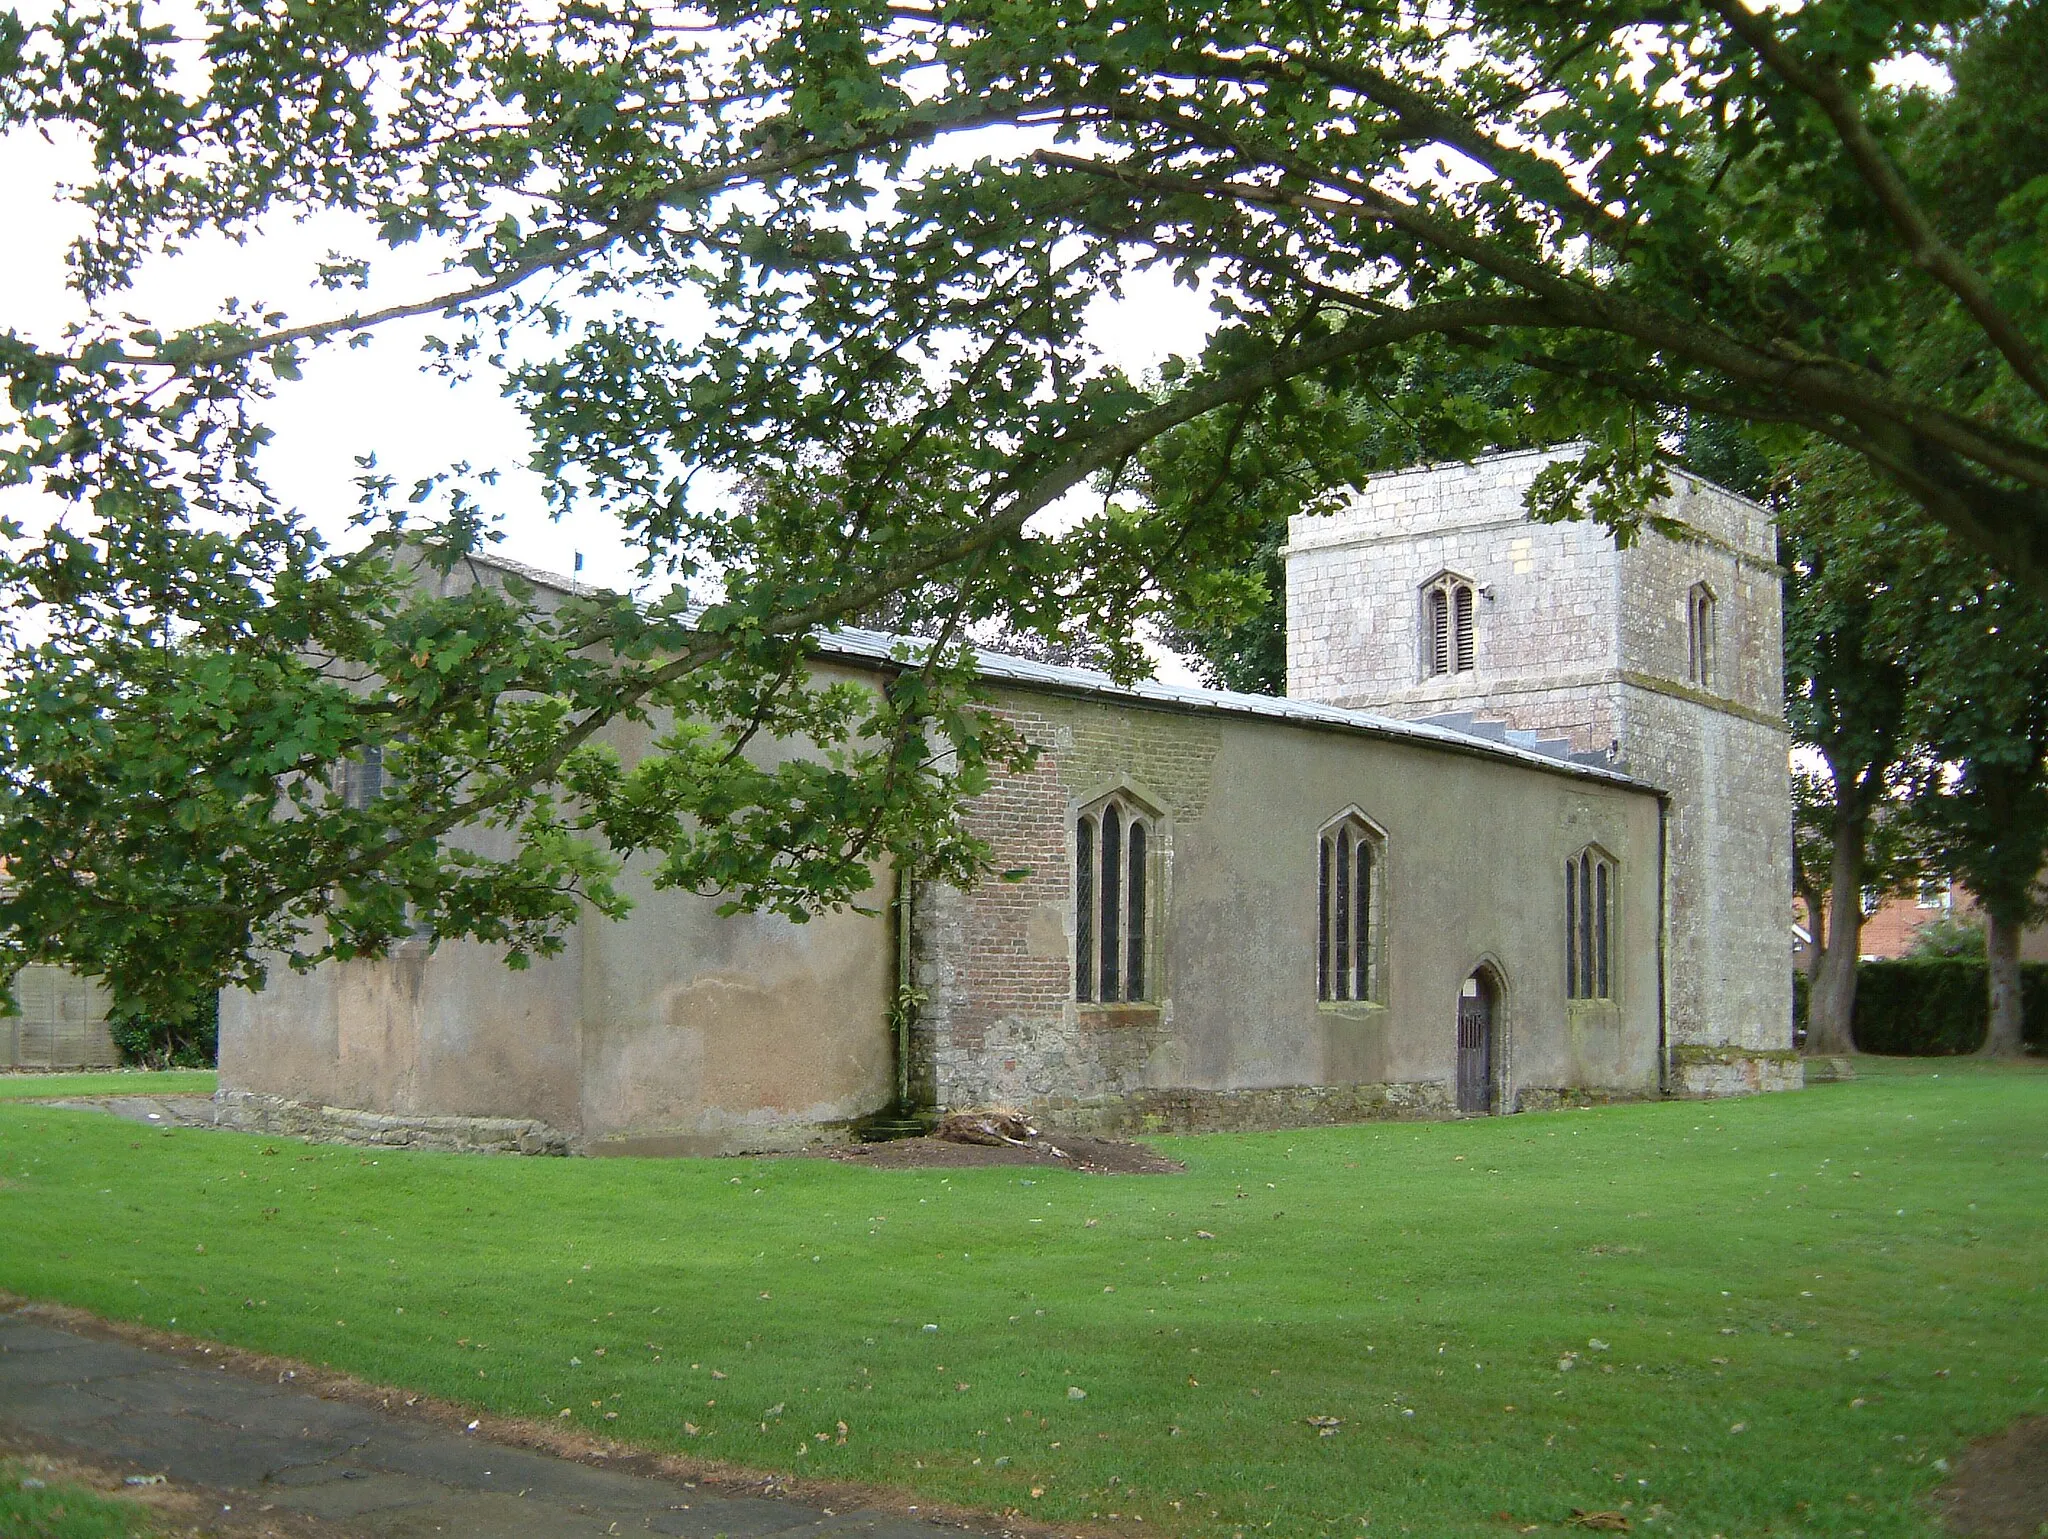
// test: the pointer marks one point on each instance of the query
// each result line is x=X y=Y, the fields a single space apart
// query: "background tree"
x=1982 y=813
x=1851 y=566
x=1711 y=209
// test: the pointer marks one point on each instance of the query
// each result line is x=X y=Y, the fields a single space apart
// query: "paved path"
x=169 y=1111
x=377 y=1474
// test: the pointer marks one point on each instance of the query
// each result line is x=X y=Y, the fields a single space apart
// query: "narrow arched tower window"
x=1348 y=919
x=362 y=777
x=1588 y=923
x=1699 y=634
x=1449 y=641
x=1112 y=903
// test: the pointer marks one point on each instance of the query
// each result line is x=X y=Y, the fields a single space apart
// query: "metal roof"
x=882 y=647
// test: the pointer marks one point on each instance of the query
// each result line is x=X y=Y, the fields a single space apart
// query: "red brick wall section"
x=999 y=1022
x=1023 y=817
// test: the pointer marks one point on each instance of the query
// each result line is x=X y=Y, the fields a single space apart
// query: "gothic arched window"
x=1588 y=924
x=1348 y=910
x=1112 y=902
x=1449 y=644
x=1699 y=634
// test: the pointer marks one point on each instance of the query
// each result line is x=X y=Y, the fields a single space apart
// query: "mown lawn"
x=44 y=1087
x=1768 y=1316
x=35 y=1507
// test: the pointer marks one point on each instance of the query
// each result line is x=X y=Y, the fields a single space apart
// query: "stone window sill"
x=1108 y=1016
x=1351 y=1009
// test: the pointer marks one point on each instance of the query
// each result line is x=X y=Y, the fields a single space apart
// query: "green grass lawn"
x=32 y=1507
x=43 y=1087
x=1737 y=1318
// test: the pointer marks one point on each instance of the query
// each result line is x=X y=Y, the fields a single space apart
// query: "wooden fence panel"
x=62 y=1025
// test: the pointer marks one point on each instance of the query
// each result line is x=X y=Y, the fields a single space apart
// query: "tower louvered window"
x=1347 y=912
x=1449 y=642
x=1112 y=851
x=1589 y=910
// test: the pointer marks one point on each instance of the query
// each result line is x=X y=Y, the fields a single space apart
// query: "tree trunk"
x=1816 y=927
x=2002 y=951
x=1831 y=1002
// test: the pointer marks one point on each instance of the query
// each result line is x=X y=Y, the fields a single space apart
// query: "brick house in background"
x=1889 y=928
x=1891 y=924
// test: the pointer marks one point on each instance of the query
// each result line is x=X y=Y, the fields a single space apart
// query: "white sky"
x=379 y=398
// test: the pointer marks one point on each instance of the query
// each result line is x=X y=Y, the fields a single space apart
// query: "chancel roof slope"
x=882 y=647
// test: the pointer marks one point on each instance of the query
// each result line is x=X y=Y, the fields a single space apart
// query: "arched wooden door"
x=1478 y=1041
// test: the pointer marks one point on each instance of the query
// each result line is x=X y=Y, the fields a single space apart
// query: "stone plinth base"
x=253 y=1113
x=1718 y=1071
x=1543 y=1098
x=1244 y=1111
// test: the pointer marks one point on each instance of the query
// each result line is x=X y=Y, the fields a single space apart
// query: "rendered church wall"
x=709 y=1034
x=453 y=1033
x=1235 y=1035
x=675 y=1030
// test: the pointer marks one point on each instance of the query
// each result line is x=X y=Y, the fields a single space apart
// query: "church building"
x=1517 y=838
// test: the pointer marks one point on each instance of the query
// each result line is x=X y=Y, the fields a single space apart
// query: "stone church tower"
x=1434 y=596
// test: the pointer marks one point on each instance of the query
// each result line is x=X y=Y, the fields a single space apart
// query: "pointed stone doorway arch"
x=1479 y=1054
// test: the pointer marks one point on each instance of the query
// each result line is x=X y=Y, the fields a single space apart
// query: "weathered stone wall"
x=1658 y=576
x=1545 y=639
x=1718 y=1071
x=1728 y=935
x=1249 y=1111
x=998 y=964
x=1721 y=750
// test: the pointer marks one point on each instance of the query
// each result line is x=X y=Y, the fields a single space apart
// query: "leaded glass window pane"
x=1361 y=909
x=1324 y=859
x=1343 y=916
x=1084 y=909
x=1112 y=903
x=1571 y=929
x=1134 y=963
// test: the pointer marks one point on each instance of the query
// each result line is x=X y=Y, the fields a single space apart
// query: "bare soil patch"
x=1065 y=1151
x=2000 y=1487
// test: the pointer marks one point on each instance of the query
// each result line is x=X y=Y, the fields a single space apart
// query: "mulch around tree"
x=1999 y=1489
x=1075 y=1151
x=1064 y=1151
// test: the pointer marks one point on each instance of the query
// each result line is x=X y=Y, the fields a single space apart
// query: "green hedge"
x=1935 y=1007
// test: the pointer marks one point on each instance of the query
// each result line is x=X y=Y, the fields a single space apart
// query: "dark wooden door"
x=1475 y=1045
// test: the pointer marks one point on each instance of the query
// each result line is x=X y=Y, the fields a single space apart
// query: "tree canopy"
x=893 y=218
